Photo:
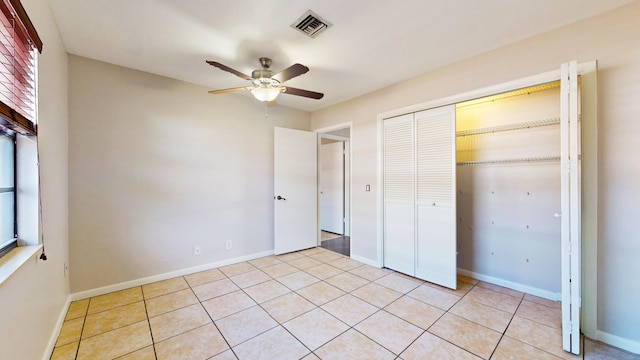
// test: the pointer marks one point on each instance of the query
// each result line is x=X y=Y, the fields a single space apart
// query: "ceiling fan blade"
x=226 y=68
x=290 y=72
x=224 y=91
x=306 y=93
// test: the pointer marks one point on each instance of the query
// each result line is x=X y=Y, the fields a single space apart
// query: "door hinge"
x=569 y=327
x=344 y=220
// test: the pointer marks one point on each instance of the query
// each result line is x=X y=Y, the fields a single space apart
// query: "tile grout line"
x=441 y=316
x=524 y=342
x=84 y=321
x=87 y=315
x=146 y=311
x=209 y=315
x=384 y=347
x=503 y=334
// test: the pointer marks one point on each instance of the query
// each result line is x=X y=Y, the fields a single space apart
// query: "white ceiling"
x=372 y=44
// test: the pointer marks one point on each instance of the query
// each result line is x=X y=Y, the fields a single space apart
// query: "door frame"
x=327 y=129
x=589 y=175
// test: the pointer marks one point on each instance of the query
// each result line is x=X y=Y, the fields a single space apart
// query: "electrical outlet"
x=197 y=251
x=228 y=244
x=66 y=269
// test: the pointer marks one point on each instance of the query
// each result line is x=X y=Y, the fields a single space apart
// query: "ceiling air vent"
x=311 y=24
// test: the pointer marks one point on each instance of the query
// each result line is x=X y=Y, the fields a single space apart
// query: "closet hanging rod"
x=509 y=127
x=509 y=161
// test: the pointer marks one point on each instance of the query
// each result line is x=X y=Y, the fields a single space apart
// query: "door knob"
x=280 y=198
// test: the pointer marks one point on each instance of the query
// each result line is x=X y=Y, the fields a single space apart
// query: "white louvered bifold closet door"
x=571 y=205
x=399 y=194
x=436 y=196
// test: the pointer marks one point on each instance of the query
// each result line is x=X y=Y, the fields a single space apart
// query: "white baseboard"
x=366 y=261
x=150 y=279
x=512 y=285
x=56 y=330
x=629 y=345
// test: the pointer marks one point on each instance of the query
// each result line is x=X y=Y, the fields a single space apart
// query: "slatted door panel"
x=436 y=199
x=399 y=194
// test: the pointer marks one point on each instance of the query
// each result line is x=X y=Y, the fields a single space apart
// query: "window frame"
x=6 y=245
x=20 y=46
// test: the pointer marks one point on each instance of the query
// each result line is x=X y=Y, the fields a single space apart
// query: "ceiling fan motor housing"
x=261 y=74
x=264 y=77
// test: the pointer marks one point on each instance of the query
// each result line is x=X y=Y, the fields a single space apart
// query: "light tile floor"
x=315 y=304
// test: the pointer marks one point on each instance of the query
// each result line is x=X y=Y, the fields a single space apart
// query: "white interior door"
x=399 y=194
x=295 y=190
x=436 y=195
x=571 y=210
x=332 y=187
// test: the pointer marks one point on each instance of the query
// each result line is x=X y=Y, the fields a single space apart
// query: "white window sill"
x=11 y=262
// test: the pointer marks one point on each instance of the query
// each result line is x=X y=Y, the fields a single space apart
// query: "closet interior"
x=508 y=189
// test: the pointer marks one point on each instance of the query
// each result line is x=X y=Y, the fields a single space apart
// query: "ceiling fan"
x=267 y=85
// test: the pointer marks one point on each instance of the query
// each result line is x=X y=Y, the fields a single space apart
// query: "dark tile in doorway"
x=340 y=245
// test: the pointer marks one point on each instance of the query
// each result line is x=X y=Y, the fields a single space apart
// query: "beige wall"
x=158 y=166
x=35 y=296
x=614 y=40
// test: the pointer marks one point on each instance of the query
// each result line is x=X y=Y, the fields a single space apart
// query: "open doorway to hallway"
x=334 y=175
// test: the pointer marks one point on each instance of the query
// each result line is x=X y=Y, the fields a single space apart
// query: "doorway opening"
x=334 y=188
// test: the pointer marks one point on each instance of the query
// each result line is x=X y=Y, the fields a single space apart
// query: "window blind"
x=18 y=42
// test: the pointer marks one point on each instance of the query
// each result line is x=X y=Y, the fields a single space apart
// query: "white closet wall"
x=508 y=183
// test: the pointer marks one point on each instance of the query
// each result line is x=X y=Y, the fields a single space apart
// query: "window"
x=8 y=230
x=18 y=106
x=18 y=42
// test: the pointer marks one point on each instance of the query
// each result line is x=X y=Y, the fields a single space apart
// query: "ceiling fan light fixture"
x=266 y=84
x=265 y=93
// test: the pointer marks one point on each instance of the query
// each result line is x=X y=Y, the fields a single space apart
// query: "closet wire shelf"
x=510 y=161
x=509 y=127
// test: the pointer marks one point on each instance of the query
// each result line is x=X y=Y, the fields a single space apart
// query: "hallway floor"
x=315 y=304
x=335 y=242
